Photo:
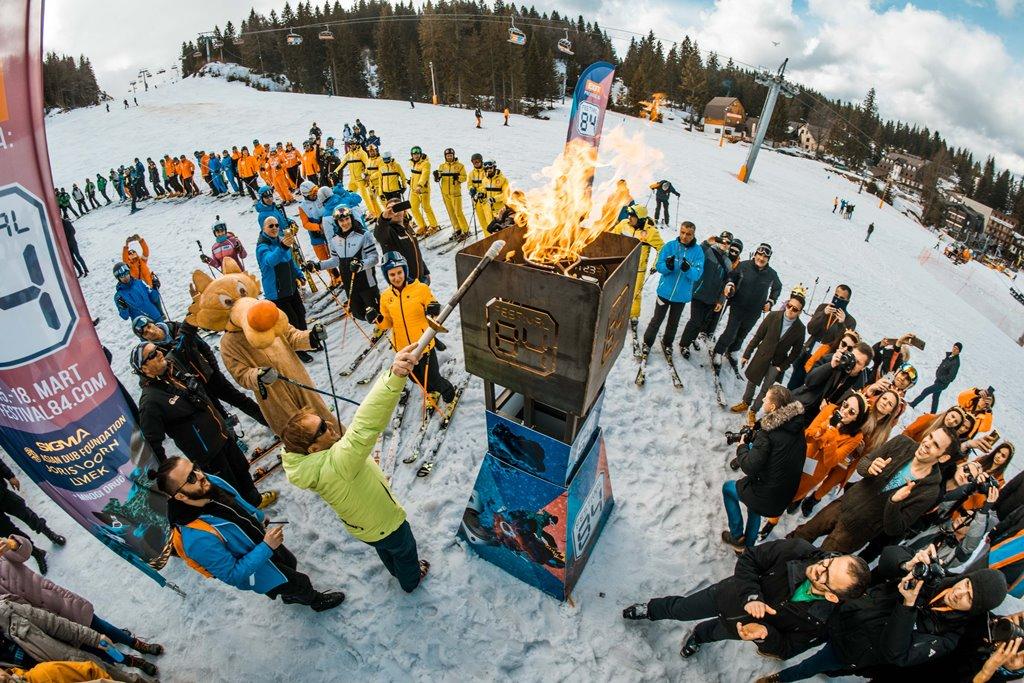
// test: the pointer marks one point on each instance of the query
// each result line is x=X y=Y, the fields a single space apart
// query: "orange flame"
x=557 y=215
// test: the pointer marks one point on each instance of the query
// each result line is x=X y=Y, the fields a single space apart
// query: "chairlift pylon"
x=564 y=45
x=326 y=35
x=515 y=36
x=293 y=38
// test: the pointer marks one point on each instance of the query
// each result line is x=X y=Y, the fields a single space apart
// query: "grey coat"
x=769 y=349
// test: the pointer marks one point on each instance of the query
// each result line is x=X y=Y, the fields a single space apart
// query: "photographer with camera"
x=892 y=353
x=177 y=404
x=826 y=326
x=771 y=454
x=914 y=614
x=832 y=378
x=901 y=483
x=780 y=596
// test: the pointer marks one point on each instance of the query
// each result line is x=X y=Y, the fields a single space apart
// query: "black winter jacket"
x=828 y=383
x=754 y=287
x=947 y=370
x=825 y=328
x=168 y=407
x=773 y=462
x=771 y=573
x=392 y=236
x=716 y=268
x=189 y=352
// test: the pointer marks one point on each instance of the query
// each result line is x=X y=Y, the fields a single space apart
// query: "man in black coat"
x=662 y=190
x=780 y=596
x=752 y=288
x=393 y=233
x=81 y=270
x=944 y=376
x=826 y=326
x=176 y=404
x=829 y=380
x=188 y=351
x=772 y=457
x=902 y=482
x=902 y=621
x=707 y=291
x=772 y=349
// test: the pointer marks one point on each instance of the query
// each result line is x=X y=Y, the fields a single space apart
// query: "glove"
x=373 y=316
x=156 y=282
x=310 y=266
x=121 y=303
x=472 y=193
x=204 y=258
x=267 y=376
x=684 y=266
x=670 y=262
x=433 y=308
x=437 y=176
x=318 y=335
x=355 y=265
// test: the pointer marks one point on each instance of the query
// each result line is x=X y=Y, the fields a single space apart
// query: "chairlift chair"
x=564 y=45
x=197 y=54
x=326 y=35
x=515 y=36
x=216 y=43
x=293 y=39
x=238 y=40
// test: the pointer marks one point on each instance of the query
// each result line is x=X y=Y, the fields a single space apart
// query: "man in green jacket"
x=341 y=469
x=101 y=185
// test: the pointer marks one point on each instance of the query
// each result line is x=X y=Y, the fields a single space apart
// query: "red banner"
x=63 y=416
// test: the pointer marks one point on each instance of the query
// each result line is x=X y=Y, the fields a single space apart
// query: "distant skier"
x=479 y=117
x=871 y=229
x=849 y=211
x=126 y=104
x=136 y=100
x=842 y=207
x=835 y=204
x=662 y=189
x=76 y=192
x=451 y=175
x=90 y=192
x=154 y=177
x=101 y=185
x=314 y=132
x=505 y=114
x=81 y=270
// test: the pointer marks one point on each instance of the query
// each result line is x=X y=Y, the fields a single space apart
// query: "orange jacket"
x=61 y=672
x=915 y=430
x=138 y=264
x=260 y=152
x=292 y=157
x=819 y=353
x=405 y=312
x=826 y=448
x=170 y=168
x=248 y=166
x=968 y=400
x=204 y=164
x=309 y=163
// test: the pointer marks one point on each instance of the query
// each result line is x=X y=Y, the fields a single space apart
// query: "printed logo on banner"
x=33 y=294
x=586 y=119
x=589 y=516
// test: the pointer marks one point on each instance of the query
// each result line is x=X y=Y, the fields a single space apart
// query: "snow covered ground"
x=667 y=454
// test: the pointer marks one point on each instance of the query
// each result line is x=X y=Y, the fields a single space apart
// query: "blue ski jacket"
x=278 y=271
x=139 y=300
x=677 y=284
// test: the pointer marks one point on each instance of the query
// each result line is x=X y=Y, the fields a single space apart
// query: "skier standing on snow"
x=505 y=113
x=133 y=298
x=248 y=168
x=638 y=225
x=477 y=195
x=13 y=505
x=479 y=117
x=354 y=254
x=680 y=264
x=138 y=263
x=707 y=292
x=225 y=245
x=312 y=216
x=79 y=199
x=419 y=193
x=140 y=179
x=154 y=177
x=404 y=307
x=279 y=274
x=339 y=466
x=64 y=202
x=662 y=190
x=394 y=233
x=187 y=170
x=495 y=189
x=354 y=162
x=392 y=178
x=228 y=167
x=217 y=533
x=81 y=270
x=451 y=175
x=707 y=334
x=118 y=180
x=752 y=288
x=90 y=192
x=871 y=229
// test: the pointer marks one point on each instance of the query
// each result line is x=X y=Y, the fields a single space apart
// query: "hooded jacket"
x=169 y=407
x=139 y=300
x=676 y=285
x=404 y=311
x=357 y=243
x=772 y=461
x=278 y=271
x=346 y=475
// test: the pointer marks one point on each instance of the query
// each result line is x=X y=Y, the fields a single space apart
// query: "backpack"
x=179 y=546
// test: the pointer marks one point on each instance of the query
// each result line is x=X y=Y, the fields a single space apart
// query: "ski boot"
x=716 y=362
x=424 y=569
x=740 y=407
x=684 y=351
x=634 y=323
x=54 y=537
x=145 y=666
x=733 y=363
x=434 y=401
x=267 y=499
x=40 y=557
x=807 y=505
x=636 y=611
x=770 y=678
x=146 y=648
x=690 y=646
x=328 y=600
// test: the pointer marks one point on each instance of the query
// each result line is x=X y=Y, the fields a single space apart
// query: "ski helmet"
x=637 y=210
x=386 y=156
x=220 y=226
x=416 y=150
x=394 y=259
x=306 y=187
x=725 y=236
x=139 y=322
x=910 y=371
x=477 y=157
x=265 y=190
x=122 y=270
x=449 y=151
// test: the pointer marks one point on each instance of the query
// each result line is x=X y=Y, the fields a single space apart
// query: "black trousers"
x=398 y=552
x=250 y=185
x=299 y=589
x=81 y=206
x=796 y=380
x=76 y=258
x=209 y=181
x=699 y=312
x=189 y=185
x=104 y=193
x=13 y=504
x=736 y=330
x=174 y=184
x=398 y=194
x=659 y=206
x=231 y=465
x=294 y=309
x=362 y=298
x=157 y=187
x=93 y=204
x=64 y=212
x=699 y=605
x=429 y=375
x=220 y=388
x=674 y=310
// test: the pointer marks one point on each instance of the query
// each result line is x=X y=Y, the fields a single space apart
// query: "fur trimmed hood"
x=777 y=418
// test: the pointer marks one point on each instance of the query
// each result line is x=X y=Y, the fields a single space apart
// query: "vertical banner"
x=63 y=417
x=589 y=101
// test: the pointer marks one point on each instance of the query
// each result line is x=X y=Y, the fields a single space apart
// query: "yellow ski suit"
x=452 y=175
x=651 y=238
x=419 y=195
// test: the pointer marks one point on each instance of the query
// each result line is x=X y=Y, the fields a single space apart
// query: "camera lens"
x=1002 y=630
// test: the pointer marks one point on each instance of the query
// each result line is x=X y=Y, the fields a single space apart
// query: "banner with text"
x=63 y=417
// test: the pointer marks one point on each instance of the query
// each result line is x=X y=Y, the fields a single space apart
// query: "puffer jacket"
x=346 y=475
x=357 y=243
x=139 y=300
x=405 y=311
x=773 y=461
x=19 y=583
x=716 y=268
x=754 y=286
x=278 y=271
x=676 y=285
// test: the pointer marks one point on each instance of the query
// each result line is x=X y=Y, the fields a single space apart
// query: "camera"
x=846 y=361
x=982 y=485
x=932 y=571
x=1001 y=630
x=732 y=438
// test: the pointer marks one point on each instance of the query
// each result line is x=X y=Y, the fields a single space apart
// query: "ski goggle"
x=764 y=249
x=342 y=214
x=910 y=371
x=725 y=237
x=122 y=271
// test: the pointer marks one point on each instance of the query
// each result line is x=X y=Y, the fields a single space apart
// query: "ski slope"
x=668 y=458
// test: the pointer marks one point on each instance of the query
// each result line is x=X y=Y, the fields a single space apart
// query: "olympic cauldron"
x=544 y=337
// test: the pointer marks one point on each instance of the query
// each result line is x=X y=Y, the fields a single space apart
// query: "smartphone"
x=112 y=651
x=916 y=342
x=993 y=435
x=402 y=206
x=277 y=521
x=839 y=303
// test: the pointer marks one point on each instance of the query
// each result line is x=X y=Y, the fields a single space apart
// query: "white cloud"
x=1007 y=8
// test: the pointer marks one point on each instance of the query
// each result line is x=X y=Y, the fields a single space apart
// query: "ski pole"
x=437 y=324
x=330 y=376
x=203 y=253
x=678 y=197
x=472 y=209
x=813 y=291
x=300 y=385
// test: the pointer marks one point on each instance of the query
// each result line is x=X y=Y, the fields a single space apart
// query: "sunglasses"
x=271 y=225
x=795 y=309
x=151 y=355
x=321 y=430
x=192 y=478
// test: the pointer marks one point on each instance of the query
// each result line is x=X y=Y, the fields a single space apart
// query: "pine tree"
x=983 y=191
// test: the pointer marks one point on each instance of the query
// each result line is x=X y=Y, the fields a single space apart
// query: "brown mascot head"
x=229 y=304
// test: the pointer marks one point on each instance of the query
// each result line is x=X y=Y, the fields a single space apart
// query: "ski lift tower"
x=776 y=84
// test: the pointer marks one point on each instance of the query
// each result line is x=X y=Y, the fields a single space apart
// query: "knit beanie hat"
x=989 y=586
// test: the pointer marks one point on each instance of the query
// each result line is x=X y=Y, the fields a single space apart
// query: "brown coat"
x=283 y=400
x=770 y=348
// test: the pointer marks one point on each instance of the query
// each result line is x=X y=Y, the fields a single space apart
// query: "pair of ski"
x=432 y=452
x=716 y=376
x=641 y=352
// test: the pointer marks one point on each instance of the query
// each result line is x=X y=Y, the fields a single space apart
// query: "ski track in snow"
x=668 y=458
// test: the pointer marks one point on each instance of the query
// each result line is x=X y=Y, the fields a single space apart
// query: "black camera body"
x=846 y=361
x=933 y=571
x=983 y=486
x=732 y=438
